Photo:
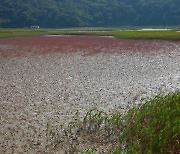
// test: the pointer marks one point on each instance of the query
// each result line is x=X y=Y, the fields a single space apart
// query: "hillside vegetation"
x=78 y=13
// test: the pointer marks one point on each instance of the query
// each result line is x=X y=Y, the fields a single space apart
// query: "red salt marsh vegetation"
x=88 y=45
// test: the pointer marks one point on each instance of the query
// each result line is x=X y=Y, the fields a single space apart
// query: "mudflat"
x=50 y=78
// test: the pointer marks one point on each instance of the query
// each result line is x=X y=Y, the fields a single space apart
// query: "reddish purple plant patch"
x=88 y=45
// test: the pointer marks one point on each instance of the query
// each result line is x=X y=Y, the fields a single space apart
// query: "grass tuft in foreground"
x=152 y=127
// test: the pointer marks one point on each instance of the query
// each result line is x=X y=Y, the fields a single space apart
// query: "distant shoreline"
x=143 y=33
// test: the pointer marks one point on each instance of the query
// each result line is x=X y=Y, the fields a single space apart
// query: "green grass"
x=165 y=35
x=152 y=127
x=6 y=33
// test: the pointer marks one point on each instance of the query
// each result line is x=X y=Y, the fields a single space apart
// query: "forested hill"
x=78 y=13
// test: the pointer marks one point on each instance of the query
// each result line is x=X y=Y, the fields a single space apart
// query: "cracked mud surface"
x=54 y=86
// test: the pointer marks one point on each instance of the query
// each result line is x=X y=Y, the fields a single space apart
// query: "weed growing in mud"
x=93 y=120
x=152 y=127
x=96 y=128
x=90 y=151
x=62 y=138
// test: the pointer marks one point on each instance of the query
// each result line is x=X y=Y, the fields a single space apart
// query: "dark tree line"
x=81 y=13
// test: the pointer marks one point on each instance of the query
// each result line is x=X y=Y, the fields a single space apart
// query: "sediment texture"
x=53 y=87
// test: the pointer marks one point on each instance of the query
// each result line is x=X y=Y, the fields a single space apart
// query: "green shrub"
x=153 y=127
